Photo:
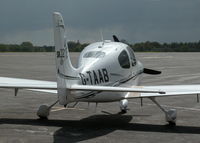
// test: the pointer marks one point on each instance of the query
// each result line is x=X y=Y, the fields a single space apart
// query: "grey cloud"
x=134 y=20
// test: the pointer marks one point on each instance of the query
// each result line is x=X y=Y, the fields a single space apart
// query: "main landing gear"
x=44 y=110
x=170 y=115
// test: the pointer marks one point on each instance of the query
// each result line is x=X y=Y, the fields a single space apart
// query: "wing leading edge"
x=115 y=89
x=6 y=82
x=51 y=87
x=170 y=90
x=134 y=91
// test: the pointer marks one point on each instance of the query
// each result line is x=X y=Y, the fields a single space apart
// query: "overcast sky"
x=133 y=20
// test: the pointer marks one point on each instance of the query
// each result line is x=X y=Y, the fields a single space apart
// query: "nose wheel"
x=123 y=106
x=44 y=111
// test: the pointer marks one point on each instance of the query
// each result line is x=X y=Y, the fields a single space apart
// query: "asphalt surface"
x=19 y=123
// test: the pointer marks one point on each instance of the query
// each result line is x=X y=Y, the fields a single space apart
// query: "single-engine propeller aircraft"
x=107 y=72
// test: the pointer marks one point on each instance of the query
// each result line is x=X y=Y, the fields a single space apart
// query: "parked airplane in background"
x=107 y=72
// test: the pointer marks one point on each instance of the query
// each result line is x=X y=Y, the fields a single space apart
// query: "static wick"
x=141 y=101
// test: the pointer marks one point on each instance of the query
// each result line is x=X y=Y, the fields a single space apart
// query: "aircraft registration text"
x=94 y=77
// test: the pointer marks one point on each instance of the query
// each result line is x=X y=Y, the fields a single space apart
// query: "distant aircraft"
x=107 y=72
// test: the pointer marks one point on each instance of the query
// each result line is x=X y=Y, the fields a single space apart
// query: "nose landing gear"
x=123 y=106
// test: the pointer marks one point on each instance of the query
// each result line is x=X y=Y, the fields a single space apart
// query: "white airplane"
x=107 y=72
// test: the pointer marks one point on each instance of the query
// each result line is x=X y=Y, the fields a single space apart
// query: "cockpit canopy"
x=94 y=54
x=132 y=56
x=124 y=60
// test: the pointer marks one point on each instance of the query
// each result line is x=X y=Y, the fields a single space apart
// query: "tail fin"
x=66 y=73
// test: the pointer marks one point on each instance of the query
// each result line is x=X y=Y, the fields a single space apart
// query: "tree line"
x=77 y=47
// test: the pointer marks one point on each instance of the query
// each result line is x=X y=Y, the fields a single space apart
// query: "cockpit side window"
x=132 y=56
x=124 y=60
x=94 y=54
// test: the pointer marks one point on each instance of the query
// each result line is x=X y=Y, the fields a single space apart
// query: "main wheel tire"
x=43 y=112
x=171 y=123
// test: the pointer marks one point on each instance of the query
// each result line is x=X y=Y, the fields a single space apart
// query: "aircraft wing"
x=134 y=91
x=145 y=91
x=170 y=90
x=138 y=91
x=51 y=87
x=115 y=89
x=6 y=82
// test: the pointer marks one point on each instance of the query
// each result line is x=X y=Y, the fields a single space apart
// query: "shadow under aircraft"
x=98 y=125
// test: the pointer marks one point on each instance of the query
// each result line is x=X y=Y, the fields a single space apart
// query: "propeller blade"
x=151 y=71
x=115 y=38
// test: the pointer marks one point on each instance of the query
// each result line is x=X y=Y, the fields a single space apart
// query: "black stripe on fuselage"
x=117 y=83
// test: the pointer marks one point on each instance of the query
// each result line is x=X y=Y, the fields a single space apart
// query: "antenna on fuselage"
x=102 y=39
x=101 y=33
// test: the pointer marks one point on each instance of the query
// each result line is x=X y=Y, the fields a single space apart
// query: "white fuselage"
x=108 y=64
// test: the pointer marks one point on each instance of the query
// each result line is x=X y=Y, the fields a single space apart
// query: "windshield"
x=132 y=56
x=124 y=60
x=94 y=54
